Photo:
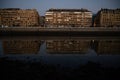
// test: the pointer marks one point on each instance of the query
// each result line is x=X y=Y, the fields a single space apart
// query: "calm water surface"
x=67 y=51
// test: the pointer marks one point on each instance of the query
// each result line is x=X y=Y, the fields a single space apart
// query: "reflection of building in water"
x=21 y=47
x=108 y=47
x=53 y=46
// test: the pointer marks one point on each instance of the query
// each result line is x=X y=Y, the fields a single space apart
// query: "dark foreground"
x=62 y=33
x=68 y=31
x=21 y=70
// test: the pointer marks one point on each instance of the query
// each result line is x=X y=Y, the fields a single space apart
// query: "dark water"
x=66 y=51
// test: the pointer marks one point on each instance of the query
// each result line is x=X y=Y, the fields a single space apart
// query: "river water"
x=66 y=51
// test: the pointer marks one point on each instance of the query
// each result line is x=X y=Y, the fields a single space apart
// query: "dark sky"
x=43 y=5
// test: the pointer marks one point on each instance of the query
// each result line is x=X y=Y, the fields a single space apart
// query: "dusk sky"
x=43 y=5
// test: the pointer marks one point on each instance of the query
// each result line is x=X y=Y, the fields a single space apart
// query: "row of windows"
x=68 y=15
x=69 y=21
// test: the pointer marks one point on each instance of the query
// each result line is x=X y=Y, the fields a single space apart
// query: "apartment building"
x=68 y=18
x=107 y=18
x=42 y=21
x=14 y=17
x=0 y=20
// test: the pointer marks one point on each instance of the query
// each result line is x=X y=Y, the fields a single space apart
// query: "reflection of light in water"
x=42 y=51
x=67 y=59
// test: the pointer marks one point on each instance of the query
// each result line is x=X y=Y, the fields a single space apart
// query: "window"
x=59 y=19
x=59 y=15
x=78 y=19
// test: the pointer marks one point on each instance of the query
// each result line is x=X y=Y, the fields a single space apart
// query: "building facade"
x=67 y=46
x=42 y=21
x=11 y=17
x=107 y=18
x=68 y=18
x=0 y=19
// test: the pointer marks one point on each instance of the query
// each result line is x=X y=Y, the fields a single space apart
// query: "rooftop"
x=69 y=10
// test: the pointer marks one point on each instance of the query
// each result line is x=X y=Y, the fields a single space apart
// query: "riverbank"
x=82 y=31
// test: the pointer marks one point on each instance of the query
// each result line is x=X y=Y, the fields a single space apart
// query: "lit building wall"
x=107 y=18
x=18 y=17
x=0 y=20
x=68 y=18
